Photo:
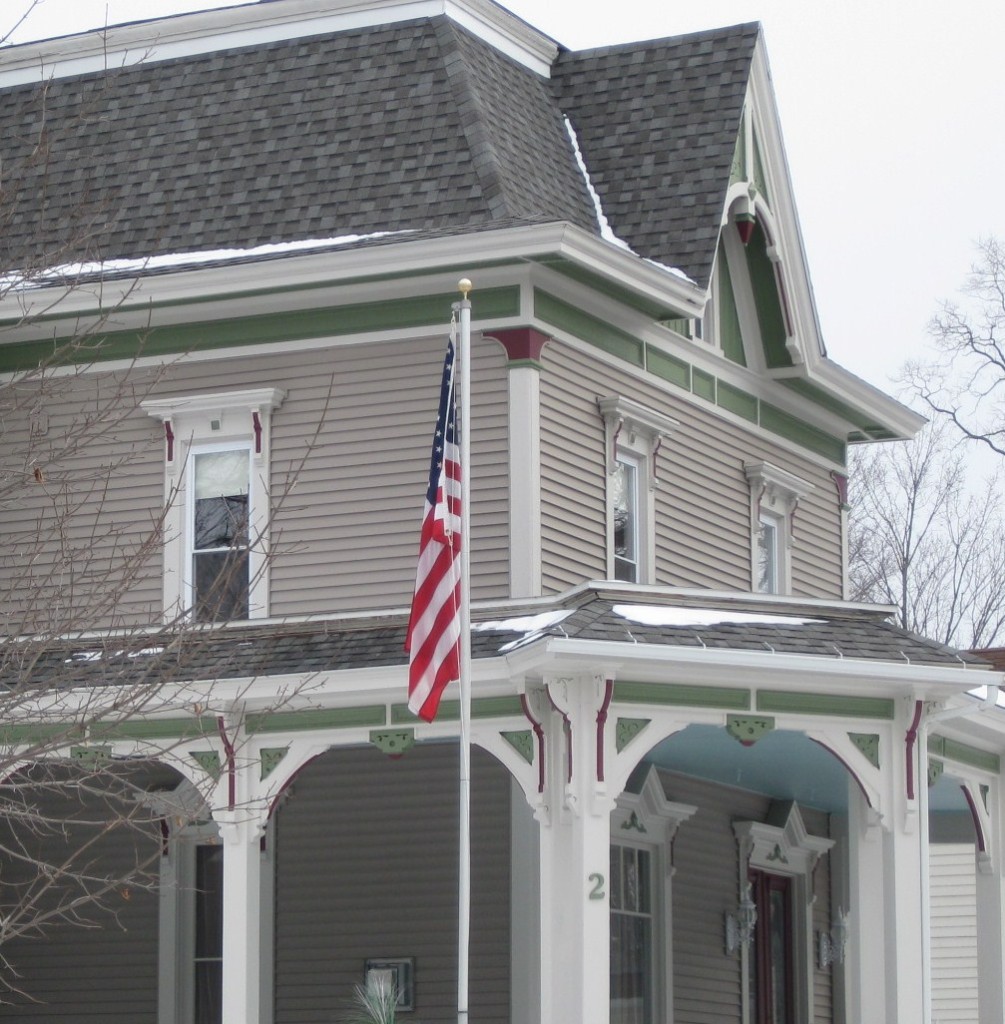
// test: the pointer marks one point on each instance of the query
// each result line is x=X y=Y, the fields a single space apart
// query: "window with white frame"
x=774 y=498
x=634 y=435
x=216 y=490
x=643 y=827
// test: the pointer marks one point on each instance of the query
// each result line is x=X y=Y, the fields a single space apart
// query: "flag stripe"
x=434 y=627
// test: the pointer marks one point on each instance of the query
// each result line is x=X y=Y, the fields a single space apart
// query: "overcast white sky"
x=891 y=114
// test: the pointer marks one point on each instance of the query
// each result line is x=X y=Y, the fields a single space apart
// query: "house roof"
x=592 y=613
x=417 y=126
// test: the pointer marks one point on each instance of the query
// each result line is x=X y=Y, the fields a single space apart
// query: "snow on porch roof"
x=597 y=612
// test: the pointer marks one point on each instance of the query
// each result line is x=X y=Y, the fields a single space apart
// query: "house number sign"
x=597 y=890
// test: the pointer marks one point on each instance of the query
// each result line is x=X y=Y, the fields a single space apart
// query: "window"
x=774 y=497
x=207 y=935
x=633 y=436
x=643 y=826
x=216 y=524
x=625 y=499
x=632 y=946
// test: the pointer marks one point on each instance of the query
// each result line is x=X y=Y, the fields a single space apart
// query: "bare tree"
x=925 y=541
x=965 y=381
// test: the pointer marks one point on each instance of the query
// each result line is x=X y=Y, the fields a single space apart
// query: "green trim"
x=633 y=824
x=737 y=171
x=703 y=384
x=736 y=401
x=15 y=735
x=767 y=303
x=793 y=429
x=291 y=325
x=760 y=180
x=730 y=334
x=604 y=286
x=627 y=729
x=158 y=729
x=326 y=718
x=785 y=701
x=668 y=367
x=522 y=742
x=91 y=755
x=513 y=364
x=935 y=770
x=868 y=745
x=208 y=761
x=450 y=710
x=819 y=397
x=748 y=729
x=963 y=753
x=393 y=742
x=678 y=695
x=271 y=757
x=589 y=328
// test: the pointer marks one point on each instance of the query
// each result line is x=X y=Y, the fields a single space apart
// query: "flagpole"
x=464 y=839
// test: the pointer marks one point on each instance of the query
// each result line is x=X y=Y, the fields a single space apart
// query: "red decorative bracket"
x=601 y=723
x=169 y=441
x=522 y=344
x=978 y=828
x=228 y=749
x=539 y=733
x=256 y=420
x=910 y=739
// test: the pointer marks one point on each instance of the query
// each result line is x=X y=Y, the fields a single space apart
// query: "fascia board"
x=758 y=670
x=150 y=41
x=347 y=265
x=901 y=419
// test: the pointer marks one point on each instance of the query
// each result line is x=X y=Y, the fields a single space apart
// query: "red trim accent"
x=522 y=343
x=228 y=749
x=601 y=722
x=656 y=450
x=745 y=225
x=257 y=422
x=614 y=441
x=841 y=483
x=981 y=845
x=539 y=733
x=169 y=440
x=910 y=739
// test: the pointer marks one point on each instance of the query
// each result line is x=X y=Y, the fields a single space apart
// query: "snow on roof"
x=655 y=615
x=20 y=279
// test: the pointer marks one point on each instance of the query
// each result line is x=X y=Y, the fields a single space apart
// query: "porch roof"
x=602 y=612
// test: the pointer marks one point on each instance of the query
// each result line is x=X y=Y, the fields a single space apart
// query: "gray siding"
x=350 y=459
x=102 y=970
x=702 y=501
x=367 y=867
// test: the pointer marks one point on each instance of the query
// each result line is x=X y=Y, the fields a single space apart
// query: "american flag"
x=434 y=627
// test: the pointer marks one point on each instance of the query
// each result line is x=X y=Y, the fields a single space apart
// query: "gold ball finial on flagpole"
x=464 y=286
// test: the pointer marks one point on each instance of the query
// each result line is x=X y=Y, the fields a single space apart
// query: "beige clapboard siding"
x=954 y=933
x=350 y=459
x=822 y=916
x=70 y=538
x=703 y=528
x=366 y=867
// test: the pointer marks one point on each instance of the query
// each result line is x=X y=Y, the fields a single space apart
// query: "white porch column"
x=991 y=916
x=242 y=930
x=575 y=860
x=902 y=868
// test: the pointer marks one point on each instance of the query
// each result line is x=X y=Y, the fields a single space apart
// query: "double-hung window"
x=633 y=954
x=634 y=435
x=774 y=497
x=216 y=523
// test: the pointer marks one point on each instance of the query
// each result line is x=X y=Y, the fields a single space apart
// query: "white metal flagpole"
x=464 y=843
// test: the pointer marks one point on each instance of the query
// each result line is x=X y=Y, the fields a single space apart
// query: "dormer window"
x=216 y=455
x=774 y=497
x=634 y=436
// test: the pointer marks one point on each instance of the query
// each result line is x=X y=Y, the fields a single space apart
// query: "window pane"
x=221 y=585
x=208 y=944
x=767 y=558
x=631 y=937
x=626 y=522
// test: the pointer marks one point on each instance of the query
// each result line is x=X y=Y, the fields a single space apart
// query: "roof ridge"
x=742 y=27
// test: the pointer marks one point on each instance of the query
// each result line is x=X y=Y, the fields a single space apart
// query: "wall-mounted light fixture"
x=740 y=926
x=833 y=945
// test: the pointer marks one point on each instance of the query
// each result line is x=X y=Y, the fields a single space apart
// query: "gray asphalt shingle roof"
x=417 y=126
x=278 y=649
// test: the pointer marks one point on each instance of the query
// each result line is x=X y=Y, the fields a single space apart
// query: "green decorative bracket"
x=778 y=855
x=627 y=729
x=91 y=755
x=522 y=742
x=985 y=790
x=393 y=742
x=748 y=729
x=935 y=770
x=868 y=745
x=633 y=824
x=208 y=761
x=271 y=756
